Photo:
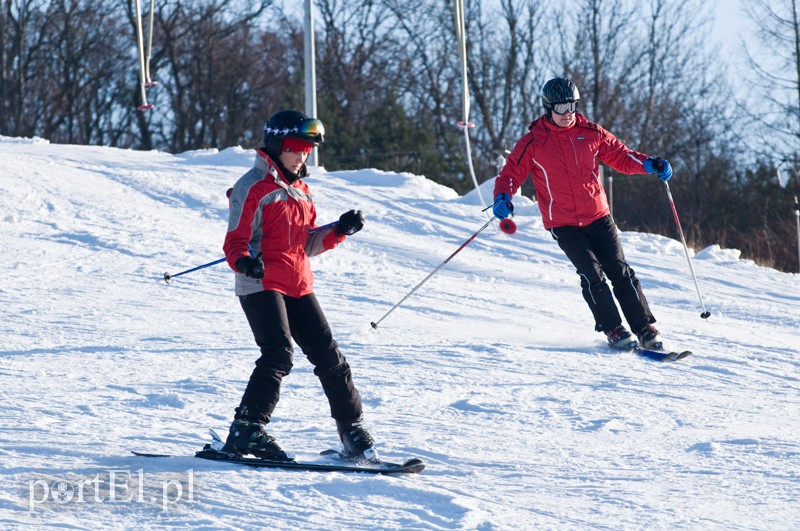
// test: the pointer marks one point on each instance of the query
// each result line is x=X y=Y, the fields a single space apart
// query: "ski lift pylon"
x=144 y=58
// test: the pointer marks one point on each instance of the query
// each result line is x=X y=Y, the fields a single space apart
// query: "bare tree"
x=777 y=69
x=657 y=96
x=506 y=53
x=85 y=54
x=364 y=77
x=608 y=58
x=22 y=66
x=431 y=70
x=207 y=59
x=773 y=108
x=60 y=61
x=507 y=64
x=430 y=84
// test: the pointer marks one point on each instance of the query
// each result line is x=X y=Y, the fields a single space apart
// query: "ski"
x=147 y=454
x=336 y=454
x=411 y=466
x=662 y=355
x=214 y=452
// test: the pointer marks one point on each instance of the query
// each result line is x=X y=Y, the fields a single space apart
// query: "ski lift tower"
x=310 y=76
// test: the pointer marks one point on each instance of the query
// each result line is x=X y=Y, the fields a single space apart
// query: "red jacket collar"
x=266 y=163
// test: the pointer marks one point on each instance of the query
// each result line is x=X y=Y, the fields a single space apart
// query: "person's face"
x=563 y=113
x=293 y=160
x=563 y=120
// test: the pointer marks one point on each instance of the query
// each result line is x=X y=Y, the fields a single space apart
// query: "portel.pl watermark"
x=117 y=486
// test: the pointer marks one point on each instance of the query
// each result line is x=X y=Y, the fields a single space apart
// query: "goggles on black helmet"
x=564 y=107
x=310 y=130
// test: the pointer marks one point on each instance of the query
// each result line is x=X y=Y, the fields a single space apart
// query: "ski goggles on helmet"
x=564 y=107
x=310 y=130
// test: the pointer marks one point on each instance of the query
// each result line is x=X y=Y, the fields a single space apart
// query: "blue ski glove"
x=252 y=267
x=659 y=166
x=502 y=207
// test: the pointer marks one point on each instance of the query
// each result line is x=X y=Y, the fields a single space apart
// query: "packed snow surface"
x=491 y=372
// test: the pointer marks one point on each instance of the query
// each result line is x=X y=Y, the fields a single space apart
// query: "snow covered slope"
x=491 y=372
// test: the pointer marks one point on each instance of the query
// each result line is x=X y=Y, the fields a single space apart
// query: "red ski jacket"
x=273 y=217
x=563 y=163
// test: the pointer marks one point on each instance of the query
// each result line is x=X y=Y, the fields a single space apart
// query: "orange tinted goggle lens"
x=312 y=129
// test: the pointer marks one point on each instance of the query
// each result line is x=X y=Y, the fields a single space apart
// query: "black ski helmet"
x=291 y=124
x=559 y=90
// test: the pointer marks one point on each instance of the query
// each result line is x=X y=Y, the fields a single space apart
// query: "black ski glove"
x=350 y=222
x=252 y=267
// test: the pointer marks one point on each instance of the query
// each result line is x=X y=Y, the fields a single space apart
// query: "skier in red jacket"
x=272 y=232
x=562 y=152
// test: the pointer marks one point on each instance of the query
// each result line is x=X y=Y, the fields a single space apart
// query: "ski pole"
x=330 y=225
x=706 y=313
x=376 y=323
x=168 y=277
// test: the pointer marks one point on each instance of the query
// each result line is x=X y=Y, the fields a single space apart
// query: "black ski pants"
x=596 y=252
x=275 y=320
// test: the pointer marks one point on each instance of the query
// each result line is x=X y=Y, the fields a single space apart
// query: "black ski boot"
x=357 y=441
x=649 y=337
x=620 y=338
x=251 y=437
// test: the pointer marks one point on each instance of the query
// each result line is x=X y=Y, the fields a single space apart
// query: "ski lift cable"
x=465 y=124
x=143 y=71
x=149 y=82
